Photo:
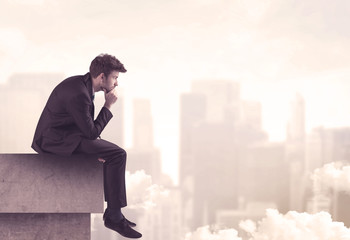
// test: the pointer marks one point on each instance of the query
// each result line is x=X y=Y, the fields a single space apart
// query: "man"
x=66 y=127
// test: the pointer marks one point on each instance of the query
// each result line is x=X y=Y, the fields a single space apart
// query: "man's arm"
x=80 y=109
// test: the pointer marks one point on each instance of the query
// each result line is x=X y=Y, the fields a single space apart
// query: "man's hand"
x=110 y=98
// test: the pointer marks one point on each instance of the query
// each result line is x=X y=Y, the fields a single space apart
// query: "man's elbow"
x=92 y=135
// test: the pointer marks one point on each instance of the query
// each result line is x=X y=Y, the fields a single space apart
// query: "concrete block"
x=33 y=183
x=45 y=226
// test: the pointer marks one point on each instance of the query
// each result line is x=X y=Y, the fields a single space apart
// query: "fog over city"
x=235 y=114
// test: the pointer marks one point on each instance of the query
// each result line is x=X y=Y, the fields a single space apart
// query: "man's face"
x=111 y=81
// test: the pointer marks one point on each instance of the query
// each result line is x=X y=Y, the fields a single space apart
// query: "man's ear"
x=101 y=76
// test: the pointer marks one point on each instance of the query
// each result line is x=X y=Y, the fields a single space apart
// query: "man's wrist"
x=107 y=106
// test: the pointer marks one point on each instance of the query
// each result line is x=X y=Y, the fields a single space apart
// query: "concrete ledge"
x=45 y=226
x=32 y=183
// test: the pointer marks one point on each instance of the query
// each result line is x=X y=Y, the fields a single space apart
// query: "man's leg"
x=114 y=183
x=113 y=169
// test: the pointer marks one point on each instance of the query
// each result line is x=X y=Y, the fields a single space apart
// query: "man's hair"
x=105 y=63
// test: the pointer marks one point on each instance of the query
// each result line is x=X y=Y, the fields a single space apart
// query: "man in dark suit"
x=67 y=127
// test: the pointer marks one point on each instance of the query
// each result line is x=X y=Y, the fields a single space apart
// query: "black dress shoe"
x=131 y=224
x=122 y=227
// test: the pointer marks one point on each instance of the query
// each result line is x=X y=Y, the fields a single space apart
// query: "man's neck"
x=95 y=85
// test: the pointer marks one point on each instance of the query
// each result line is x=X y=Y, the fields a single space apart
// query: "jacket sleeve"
x=80 y=107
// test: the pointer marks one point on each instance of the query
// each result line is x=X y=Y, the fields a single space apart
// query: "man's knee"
x=123 y=154
x=120 y=153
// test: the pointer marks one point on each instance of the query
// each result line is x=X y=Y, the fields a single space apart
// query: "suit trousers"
x=113 y=169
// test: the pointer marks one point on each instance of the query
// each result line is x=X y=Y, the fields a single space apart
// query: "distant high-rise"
x=221 y=96
x=252 y=114
x=295 y=153
x=326 y=145
x=23 y=98
x=143 y=155
x=192 y=114
x=323 y=146
x=215 y=124
x=263 y=174
x=318 y=147
x=213 y=101
x=162 y=221
x=296 y=122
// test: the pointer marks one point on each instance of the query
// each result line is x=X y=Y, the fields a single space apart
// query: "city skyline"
x=125 y=109
x=272 y=49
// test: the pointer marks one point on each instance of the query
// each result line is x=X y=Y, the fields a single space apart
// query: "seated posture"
x=67 y=127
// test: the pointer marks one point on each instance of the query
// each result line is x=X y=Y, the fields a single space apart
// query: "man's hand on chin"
x=110 y=98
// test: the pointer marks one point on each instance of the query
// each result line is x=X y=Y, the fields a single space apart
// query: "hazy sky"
x=273 y=48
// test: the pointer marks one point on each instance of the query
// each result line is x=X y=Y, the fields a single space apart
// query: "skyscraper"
x=214 y=126
x=22 y=99
x=327 y=145
x=192 y=114
x=296 y=122
x=161 y=221
x=252 y=114
x=295 y=152
x=222 y=98
x=144 y=155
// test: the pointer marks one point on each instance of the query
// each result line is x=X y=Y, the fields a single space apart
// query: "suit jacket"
x=68 y=117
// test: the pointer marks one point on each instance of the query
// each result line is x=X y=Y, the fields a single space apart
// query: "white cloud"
x=248 y=226
x=205 y=233
x=276 y=226
x=141 y=192
x=333 y=175
x=294 y=225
